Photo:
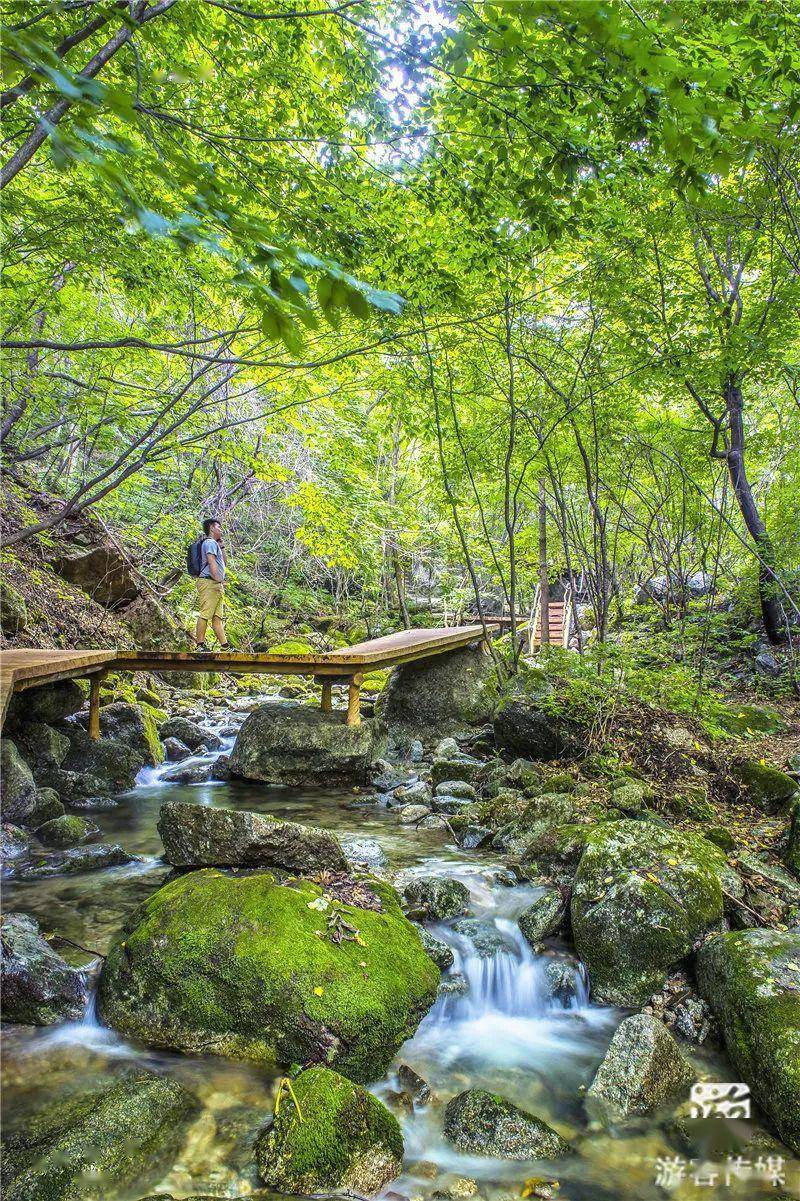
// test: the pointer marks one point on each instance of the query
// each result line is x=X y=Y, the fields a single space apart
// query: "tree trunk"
x=544 y=578
x=768 y=588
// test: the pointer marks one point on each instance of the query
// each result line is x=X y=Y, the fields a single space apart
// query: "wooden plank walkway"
x=29 y=668
x=556 y=615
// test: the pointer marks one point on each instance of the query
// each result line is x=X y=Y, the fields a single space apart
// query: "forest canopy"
x=411 y=291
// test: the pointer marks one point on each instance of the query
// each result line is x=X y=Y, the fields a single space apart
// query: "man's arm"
x=213 y=567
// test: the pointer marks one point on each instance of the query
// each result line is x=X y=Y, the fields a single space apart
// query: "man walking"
x=211 y=585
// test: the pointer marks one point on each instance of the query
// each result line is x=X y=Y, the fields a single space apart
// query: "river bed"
x=507 y=1032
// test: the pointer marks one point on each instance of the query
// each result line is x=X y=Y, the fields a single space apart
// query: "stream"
x=506 y=1032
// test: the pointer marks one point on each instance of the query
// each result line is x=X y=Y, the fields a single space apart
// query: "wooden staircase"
x=560 y=622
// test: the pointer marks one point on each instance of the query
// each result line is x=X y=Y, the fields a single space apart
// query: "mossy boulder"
x=283 y=744
x=437 y=898
x=644 y=897
x=250 y=968
x=19 y=786
x=544 y=917
x=643 y=1070
x=766 y=786
x=136 y=726
x=38 y=987
x=106 y=759
x=122 y=1134
x=529 y=728
x=751 y=719
x=189 y=733
x=328 y=1133
x=67 y=831
x=14 y=841
x=750 y=979
x=44 y=748
x=463 y=768
x=71 y=861
x=478 y=1122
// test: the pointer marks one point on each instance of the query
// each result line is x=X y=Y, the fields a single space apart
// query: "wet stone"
x=437 y=897
x=482 y=1123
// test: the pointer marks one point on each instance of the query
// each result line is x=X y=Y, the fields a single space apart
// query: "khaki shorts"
x=212 y=600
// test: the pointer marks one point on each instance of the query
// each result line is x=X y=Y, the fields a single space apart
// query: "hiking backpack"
x=194 y=557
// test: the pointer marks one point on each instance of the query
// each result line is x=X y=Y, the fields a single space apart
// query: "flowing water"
x=503 y=1026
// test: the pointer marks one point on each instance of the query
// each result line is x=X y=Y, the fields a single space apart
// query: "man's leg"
x=200 y=630
x=219 y=630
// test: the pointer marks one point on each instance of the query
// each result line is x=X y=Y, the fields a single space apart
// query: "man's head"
x=212 y=528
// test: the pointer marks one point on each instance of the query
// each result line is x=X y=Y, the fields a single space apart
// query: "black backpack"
x=194 y=557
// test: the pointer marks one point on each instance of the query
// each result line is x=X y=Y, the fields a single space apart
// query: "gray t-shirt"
x=212 y=547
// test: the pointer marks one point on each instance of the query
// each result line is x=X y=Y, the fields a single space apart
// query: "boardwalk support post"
x=354 y=701
x=327 y=696
x=94 y=704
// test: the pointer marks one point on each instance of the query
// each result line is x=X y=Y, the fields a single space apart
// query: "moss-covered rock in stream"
x=328 y=1133
x=98 y=1141
x=136 y=727
x=643 y=898
x=643 y=1070
x=44 y=748
x=544 y=917
x=767 y=787
x=282 y=744
x=19 y=786
x=436 y=898
x=751 y=979
x=67 y=831
x=38 y=987
x=482 y=1123
x=250 y=968
x=189 y=733
x=106 y=759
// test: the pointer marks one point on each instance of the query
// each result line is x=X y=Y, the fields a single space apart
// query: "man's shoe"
x=202 y=650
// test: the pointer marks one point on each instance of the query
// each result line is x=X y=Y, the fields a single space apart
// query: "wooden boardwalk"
x=30 y=668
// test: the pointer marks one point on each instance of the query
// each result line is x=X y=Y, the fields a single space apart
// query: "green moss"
x=765 y=785
x=329 y=1133
x=292 y=646
x=643 y=896
x=750 y=719
x=750 y=979
x=243 y=966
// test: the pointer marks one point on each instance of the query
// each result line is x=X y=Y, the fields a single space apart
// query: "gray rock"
x=99 y=1142
x=766 y=663
x=447 y=748
x=413 y=1084
x=471 y=837
x=483 y=934
x=750 y=978
x=300 y=745
x=416 y=751
x=438 y=951
x=188 y=773
x=693 y=1019
x=562 y=976
x=220 y=768
x=544 y=917
x=67 y=831
x=464 y=768
x=15 y=842
x=50 y=703
x=481 y=1123
x=643 y=1070
x=450 y=804
x=418 y=793
x=456 y=788
x=44 y=748
x=438 y=695
x=455 y=985
x=410 y=815
x=106 y=759
x=19 y=786
x=524 y=728
x=70 y=862
x=364 y=852
x=189 y=733
x=95 y=802
x=434 y=821
x=437 y=897
x=39 y=988
x=203 y=836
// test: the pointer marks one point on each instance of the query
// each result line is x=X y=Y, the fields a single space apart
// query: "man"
x=211 y=586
